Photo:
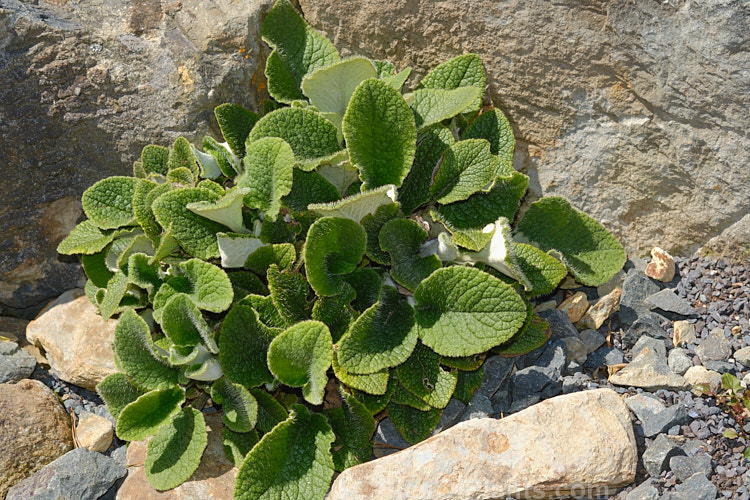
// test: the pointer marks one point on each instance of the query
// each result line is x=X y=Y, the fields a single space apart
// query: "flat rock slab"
x=479 y=459
x=668 y=301
x=77 y=339
x=649 y=371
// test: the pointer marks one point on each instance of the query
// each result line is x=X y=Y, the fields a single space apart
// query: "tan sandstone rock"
x=599 y=312
x=214 y=478
x=661 y=267
x=77 y=340
x=575 y=306
x=700 y=375
x=683 y=332
x=94 y=432
x=34 y=430
x=649 y=370
x=577 y=444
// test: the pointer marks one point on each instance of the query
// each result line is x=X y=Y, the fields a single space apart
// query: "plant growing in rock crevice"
x=732 y=397
x=353 y=251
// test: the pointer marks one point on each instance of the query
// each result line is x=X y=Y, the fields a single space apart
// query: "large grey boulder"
x=635 y=111
x=85 y=86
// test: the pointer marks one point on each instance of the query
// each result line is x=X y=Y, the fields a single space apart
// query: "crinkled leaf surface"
x=238 y=444
x=143 y=272
x=341 y=175
x=589 y=251
x=422 y=375
x=465 y=363
x=270 y=411
x=382 y=337
x=86 y=238
x=373 y=223
x=308 y=133
x=281 y=254
x=228 y=162
x=463 y=311
x=226 y=210
x=95 y=267
x=414 y=425
x=375 y=403
x=136 y=356
x=353 y=427
x=289 y=294
x=300 y=357
x=268 y=174
x=533 y=335
x=145 y=193
x=367 y=284
x=335 y=312
x=330 y=88
x=143 y=417
x=335 y=246
x=467 y=383
x=307 y=188
x=358 y=206
x=181 y=177
x=380 y=134
x=212 y=186
x=291 y=462
x=116 y=288
x=239 y=406
x=183 y=323
x=117 y=392
x=196 y=234
x=467 y=167
x=402 y=239
x=494 y=127
x=235 y=248
x=181 y=156
x=155 y=159
x=109 y=202
x=433 y=105
x=267 y=312
x=235 y=123
x=462 y=71
x=298 y=50
x=211 y=288
x=543 y=271
x=176 y=450
x=481 y=208
x=372 y=383
x=243 y=347
x=415 y=191
x=403 y=396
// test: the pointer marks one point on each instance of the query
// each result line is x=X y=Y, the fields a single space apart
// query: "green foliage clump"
x=352 y=252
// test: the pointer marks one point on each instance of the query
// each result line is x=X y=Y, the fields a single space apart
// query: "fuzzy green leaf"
x=195 y=234
x=415 y=191
x=543 y=271
x=467 y=167
x=181 y=156
x=307 y=188
x=209 y=168
x=267 y=312
x=235 y=123
x=422 y=375
x=463 y=311
x=367 y=285
x=462 y=71
x=212 y=186
x=334 y=247
x=135 y=354
x=145 y=193
x=183 y=323
x=211 y=289
x=289 y=294
x=467 y=383
x=109 y=202
x=268 y=174
x=227 y=210
x=239 y=406
x=116 y=288
x=382 y=337
x=298 y=50
x=228 y=162
x=282 y=254
x=588 y=250
x=334 y=311
x=402 y=239
x=238 y=444
x=464 y=363
x=176 y=450
x=373 y=224
x=403 y=396
x=95 y=267
x=358 y=206
x=85 y=238
x=377 y=403
x=245 y=283
x=235 y=248
x=300 y=357
x=341 y=176
x=353 y=426
x=117 y=392
x=155 y=159
x=181 y=177
x=270 y=411
x=330 y=88
x=533 y=335
x=372 y=383
x=431 y=105
x=144 y=273
x=243 y=345
x=292 y=461
x=380 y=134
x=494 y=127
x=143 y=417
x=414 y=425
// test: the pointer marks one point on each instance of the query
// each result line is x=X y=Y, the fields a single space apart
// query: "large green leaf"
x=195 y=234
x=533 y=335
x=289 y=294
x=433 y=105
x=353 y=425
x=155 y=159
x=358 y=206
x=268 y=174
x=135 y=354
x=307 y=188
x=270 y=411
x=462 y=71
x=116 y=289
x=300 y=357
x=494 y=127
x=335 y=312
x=243 y=347
x=239 y=406
x=298 y=50
x=117 y=392
x=542 y=271
x=415 y=191
x=402 y=239
x=281 y=254
x=211 y=289
x=181 y=156
x=145 y=194
x=86 y=238
x=382 y=337
x=238 y=444
x=183 y=323
x=372 y=383
x=144 y=273
x=95 y=267
x=422 y=375
x=468 y=167
x=143 y=417
x=175 y=452
x=414 y=425
x=334 y=247
x=292 y=462
x=308 y=133
x=235 y=248
x=589 y=251
x=109 y=202
x=373 y=224
x=380 y=134
x=463 y=311
x=330 y=88
x=235 y=123
x=226 y=210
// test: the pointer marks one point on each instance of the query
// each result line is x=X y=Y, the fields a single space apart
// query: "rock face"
x=213 y=479
x=34 y=430
x=77 y=340
x=634 y=111
x=85 y=87
x=536 y=453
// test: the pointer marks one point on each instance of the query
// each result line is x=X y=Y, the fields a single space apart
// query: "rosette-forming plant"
x=353 y=252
